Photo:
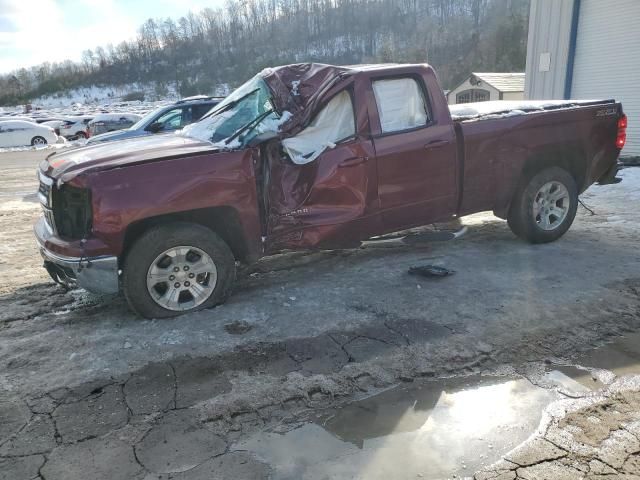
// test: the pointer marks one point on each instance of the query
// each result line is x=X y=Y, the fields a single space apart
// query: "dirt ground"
x=87 y=390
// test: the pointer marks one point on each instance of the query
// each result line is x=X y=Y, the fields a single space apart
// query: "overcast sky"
x=34 y=31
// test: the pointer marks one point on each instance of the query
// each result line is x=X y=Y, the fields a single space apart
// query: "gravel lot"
x=303 y=333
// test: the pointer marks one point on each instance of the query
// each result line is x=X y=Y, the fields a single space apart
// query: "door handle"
x=436 y=144
x=353 y=162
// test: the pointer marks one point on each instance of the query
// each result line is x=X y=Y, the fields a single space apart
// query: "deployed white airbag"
x=400 y=104
x=335 y=122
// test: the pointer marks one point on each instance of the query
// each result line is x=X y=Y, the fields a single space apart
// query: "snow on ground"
x=626 y=192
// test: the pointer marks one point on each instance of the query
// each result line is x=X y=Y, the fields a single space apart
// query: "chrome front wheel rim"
x=182 y=278
x=551 y=205
x=39 y=141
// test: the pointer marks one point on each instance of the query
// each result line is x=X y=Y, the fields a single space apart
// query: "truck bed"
x=497 y=139
x=506 y=108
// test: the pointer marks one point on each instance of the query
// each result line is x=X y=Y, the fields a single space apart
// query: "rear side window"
x=401 y=104
x=200 y=110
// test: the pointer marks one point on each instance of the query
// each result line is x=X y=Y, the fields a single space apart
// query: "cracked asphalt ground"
x=87 y=390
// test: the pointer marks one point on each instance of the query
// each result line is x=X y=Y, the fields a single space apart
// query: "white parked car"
x=75 y=127
x=17 y=133
x=55 y=124
x=24 y=119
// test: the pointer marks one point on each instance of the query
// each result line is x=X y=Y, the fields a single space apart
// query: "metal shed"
x=480 y=87
x=586 y=49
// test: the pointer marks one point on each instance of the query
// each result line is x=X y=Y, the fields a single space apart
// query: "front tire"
x=177 y=268
x=544 y=206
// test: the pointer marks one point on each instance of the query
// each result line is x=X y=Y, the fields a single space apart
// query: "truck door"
x=321 y=183
x=416 y=156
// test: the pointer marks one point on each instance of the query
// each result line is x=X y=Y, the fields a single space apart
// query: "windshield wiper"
x=249 y=126
x=230 y=105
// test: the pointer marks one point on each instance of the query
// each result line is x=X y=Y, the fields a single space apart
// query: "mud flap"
x=609 y=178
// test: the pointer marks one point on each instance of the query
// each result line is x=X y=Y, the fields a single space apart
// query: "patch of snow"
x=626 y=192
x=509 y=108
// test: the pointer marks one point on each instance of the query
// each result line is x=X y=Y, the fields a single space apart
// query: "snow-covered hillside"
x=109 y=94
x=105 y=94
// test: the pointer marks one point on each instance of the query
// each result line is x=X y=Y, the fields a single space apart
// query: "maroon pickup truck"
x=311 y=156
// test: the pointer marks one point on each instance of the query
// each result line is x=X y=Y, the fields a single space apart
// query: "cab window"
x=401 y=104
x=200 y=110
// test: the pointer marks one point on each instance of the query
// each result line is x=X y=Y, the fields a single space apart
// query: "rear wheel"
x=35 y=141
x=175 y=269
x=544 y=206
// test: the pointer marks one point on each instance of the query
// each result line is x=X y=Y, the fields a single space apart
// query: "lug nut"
x=186 y=284
x=176 y=269
x=176 y=285
x=172 y=277
x=186 y=267
x=191 y=275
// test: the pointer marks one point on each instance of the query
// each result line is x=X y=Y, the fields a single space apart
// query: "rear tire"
x=143 y=263
x=544 y=206
x=38 y=140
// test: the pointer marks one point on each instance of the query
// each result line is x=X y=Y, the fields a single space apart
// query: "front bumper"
x=96 y=274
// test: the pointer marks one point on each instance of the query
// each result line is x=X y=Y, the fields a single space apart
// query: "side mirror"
x=155 y=127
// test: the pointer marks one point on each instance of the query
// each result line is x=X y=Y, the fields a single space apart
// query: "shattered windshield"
x=241 y=116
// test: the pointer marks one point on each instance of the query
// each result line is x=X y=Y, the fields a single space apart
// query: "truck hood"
x=63 y=166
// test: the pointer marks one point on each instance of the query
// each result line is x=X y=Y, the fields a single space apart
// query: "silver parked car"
x=164 y=119
x=109 y=122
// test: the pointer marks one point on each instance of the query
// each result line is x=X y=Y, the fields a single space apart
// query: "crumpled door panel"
x=324 y=203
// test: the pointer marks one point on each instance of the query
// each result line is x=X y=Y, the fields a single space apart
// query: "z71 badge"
x=606 y=112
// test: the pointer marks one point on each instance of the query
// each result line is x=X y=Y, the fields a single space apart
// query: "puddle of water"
x=432 y=429
x=575 y=379
x=598 y=367
x=622 y=356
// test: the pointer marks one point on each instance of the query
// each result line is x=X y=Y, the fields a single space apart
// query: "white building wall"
x=607 y=59
x=547 y=49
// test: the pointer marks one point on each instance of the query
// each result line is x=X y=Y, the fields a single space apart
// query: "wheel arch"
x=224 y=221
x=571 y=158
